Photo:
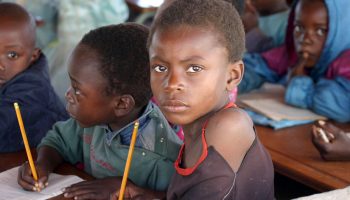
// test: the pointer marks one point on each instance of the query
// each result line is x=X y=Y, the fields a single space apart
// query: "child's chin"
x=84 y=125
x=178 y=120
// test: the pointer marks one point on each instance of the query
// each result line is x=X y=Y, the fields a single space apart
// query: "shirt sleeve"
x=256 y=72
x=66 y=138
x=330 y=98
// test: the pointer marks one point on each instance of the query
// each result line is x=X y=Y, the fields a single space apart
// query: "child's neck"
x=193 y=131
x=125 y=120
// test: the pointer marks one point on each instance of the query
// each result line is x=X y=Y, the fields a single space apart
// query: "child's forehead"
x=189 y=35
x=8 y=24
x=186 y=30
x=17 y=32
x=305 y=7
x=85 y=55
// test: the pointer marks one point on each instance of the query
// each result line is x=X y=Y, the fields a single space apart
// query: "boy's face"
x=188 y=72
x=86 y=98
x=310 y=30
x=17 y=52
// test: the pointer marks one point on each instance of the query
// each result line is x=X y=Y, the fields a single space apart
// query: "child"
x=109 y=90
x=256 y=40
x=195 y=52
x=24 y=79
x=317 y=60
x=266 y=24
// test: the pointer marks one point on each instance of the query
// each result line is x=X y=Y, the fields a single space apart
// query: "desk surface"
x=294 y=156
x=10 y=160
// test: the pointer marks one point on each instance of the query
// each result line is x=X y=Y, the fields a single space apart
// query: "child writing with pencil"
x=24 y=79
x=195 y=50
x=109 y=91
x=314 y=62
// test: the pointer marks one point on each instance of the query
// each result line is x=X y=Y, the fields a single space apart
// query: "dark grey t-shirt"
x=215 y=179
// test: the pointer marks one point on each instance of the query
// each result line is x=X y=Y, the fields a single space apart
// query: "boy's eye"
x=194 y=69
x=12 y=55
x=160 y=68
x=321 y=32
x=76 y=91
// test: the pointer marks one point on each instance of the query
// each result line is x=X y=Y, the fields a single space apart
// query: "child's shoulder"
x=231 y=133
x=229 y=124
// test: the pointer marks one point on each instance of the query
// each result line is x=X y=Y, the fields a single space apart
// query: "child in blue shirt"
x=110 y=90
x=314 y=61
x=24 y=79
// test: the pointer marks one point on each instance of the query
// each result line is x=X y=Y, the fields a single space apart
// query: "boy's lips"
x=174 y=106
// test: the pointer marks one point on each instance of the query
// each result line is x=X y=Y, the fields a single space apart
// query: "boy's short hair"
x=122 y=52
x=17 y=14
x=217 y=15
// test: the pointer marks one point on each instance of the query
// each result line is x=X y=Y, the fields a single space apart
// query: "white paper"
x=10 y=190
x=339 y=194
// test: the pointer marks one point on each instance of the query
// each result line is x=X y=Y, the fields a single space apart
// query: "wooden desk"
x=294 y=156
x=10 y=160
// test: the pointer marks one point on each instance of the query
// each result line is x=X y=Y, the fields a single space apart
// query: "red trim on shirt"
x=190 y=170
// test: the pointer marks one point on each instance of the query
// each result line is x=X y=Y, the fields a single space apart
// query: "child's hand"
x=26 y=180
x=96 y=189
x=137 y=193
x=299 y=68
x=332 y=142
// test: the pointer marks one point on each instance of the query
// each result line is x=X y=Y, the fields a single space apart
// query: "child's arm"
x=326 y=97
x=256 y=72
x=109 y=188
x=231 y=140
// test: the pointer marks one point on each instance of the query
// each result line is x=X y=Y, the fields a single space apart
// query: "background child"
x=24 y=79
x=317 y=58
x=195 y=54
x=265 y=20
x=109 y=90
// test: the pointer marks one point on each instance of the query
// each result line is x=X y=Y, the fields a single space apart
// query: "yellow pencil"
x=25 y=140
x=128 y=161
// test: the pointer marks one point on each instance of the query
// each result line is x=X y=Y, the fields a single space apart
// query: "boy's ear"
x=123 y=105
x=234 y=75
x=35 y=55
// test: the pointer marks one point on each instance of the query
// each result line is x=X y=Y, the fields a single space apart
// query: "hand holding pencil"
x=331 y=141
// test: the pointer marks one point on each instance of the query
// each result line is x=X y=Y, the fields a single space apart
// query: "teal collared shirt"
x=104 y=155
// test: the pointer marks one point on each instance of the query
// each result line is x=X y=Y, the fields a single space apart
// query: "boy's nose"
x=306 y=38
x=69 y=96
x=174 y=82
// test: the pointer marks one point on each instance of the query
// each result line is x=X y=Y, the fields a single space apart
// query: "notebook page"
x=269 y=101
x=9 y=188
